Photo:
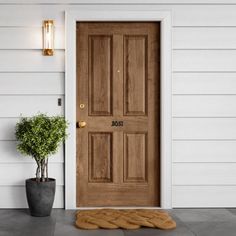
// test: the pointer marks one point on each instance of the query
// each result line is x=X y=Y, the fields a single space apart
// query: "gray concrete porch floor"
x=190 y=222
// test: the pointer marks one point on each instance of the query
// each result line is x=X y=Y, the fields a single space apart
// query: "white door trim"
x=70 y=94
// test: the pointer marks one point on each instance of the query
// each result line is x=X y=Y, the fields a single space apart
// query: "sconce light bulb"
x=48 y=38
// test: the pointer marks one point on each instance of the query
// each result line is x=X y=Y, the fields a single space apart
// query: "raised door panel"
x=100 y=157
x=100 y=75
x=135 y=75
x=135 y=157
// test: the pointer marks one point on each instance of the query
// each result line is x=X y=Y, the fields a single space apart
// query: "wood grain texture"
x=124 y=172
x=135 y=157
x=100 y=157
x=100 y=75
x=135 y=75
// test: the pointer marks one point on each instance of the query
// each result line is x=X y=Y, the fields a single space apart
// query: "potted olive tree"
x=39 y=137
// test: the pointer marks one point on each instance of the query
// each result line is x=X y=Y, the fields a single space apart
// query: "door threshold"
x=109 y=207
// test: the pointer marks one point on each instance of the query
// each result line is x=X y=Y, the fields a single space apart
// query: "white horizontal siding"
x=204 y=106
x=32 y=83
x=16 y=173
x=204 y=15
x=204 y=151
x=204 y=148
x=204 y=128
x=183 y=15
x=7 y=128
x=204 y=174
x=204 y=38
x=204 y=83
x=30 y=16
x=204 y=196
x=28 y=38
x=204 y=60
x=31 y=61
x=9 y=154
x=15 y=197
x=16 y=106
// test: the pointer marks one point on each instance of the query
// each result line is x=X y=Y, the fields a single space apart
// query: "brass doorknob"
x=81 y=124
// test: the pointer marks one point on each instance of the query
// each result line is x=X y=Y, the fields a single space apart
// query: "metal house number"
x=117 y=123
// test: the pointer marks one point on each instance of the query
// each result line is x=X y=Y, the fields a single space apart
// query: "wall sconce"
x=48 y=38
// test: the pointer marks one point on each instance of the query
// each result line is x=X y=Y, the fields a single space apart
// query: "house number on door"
x=117 y=123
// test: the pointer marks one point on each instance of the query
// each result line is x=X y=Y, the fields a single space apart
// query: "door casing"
x=164 y=17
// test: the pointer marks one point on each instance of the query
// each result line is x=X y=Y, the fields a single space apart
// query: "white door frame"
x=70 y=94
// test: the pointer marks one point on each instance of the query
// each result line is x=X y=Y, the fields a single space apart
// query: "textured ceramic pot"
x=40 y=196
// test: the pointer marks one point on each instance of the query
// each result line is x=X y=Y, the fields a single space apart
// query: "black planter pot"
x=40 y=196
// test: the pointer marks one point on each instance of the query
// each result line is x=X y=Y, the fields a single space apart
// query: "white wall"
x=29 y=83
x=204 y=93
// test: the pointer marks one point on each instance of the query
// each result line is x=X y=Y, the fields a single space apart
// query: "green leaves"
x=41 y=135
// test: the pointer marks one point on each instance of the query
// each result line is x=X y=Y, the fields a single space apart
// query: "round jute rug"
x=125 y=219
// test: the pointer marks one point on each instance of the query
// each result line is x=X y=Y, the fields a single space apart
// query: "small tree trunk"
x=38 y=173
x=43 y=170
x=46 y=169
x=37 y=170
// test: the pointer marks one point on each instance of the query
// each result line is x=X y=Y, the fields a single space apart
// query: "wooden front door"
x=118 y=96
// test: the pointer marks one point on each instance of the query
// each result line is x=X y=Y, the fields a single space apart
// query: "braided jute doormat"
x=125 y=219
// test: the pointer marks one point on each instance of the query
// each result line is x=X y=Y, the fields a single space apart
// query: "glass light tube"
x=48 y=37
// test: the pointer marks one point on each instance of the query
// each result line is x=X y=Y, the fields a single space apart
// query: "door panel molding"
x=100 y=99
x=100 y=157
x=135 y=75
x=135 y=171
x=164 y=17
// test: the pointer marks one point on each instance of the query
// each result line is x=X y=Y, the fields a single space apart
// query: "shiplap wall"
x=204 y=93
x=29 y=83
